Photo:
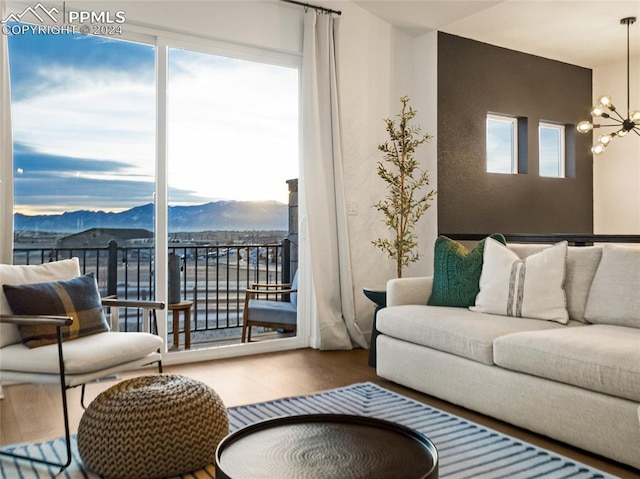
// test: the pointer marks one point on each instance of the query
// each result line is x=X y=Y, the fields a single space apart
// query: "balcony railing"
x=214 y=277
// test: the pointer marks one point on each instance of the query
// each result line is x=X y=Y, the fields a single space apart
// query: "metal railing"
x=214 y=277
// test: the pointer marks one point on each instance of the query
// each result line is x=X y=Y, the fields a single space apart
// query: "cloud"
x=54 y=184
x=236 y=120
x=41 y=165
x=34 y=56
x=84 y=118
x=113 y=120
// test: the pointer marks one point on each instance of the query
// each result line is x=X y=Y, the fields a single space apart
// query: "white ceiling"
x=585 y=33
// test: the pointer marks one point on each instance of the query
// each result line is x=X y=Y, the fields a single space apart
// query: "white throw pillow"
x=614 y=297
x=529 y=288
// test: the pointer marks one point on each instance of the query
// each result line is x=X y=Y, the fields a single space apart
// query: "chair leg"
x=82 y=396
x=245 y=327
x=65 y=411
x=244 y=333
x=155 y=327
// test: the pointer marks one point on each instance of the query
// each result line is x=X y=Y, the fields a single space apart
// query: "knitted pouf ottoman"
x=152 y=427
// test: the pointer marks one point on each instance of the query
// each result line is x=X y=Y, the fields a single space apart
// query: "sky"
x=501 y=136
x=83 y=113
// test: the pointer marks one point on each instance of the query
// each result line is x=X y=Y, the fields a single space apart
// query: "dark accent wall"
x=476 y=78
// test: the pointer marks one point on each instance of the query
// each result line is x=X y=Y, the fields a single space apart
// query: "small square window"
x=502 y=144
x=551 y=150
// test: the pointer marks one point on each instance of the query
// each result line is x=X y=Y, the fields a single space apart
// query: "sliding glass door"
x=166 y=159
x=232 y=142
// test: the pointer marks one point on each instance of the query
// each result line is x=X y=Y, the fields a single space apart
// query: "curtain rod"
x=315 y=7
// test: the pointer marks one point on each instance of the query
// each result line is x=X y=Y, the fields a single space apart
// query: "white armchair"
x=73 y=362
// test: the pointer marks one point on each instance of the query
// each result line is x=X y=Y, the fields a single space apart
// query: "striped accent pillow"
x=529 y=288
x=77 y=297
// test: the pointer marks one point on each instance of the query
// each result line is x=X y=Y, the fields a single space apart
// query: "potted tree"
x=406 y=201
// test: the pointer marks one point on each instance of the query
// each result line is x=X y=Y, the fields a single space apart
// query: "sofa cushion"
x=29 y=274
x=582 y=263
x=457 y=271
x=453 y=330
x=615 y=292
x=78 y=298
x=601 y=358
x=83 y=355
x=529 y=288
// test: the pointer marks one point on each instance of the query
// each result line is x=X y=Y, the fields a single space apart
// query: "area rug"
x=467 y=450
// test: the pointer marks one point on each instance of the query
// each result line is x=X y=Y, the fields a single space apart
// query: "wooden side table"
x=184 y=306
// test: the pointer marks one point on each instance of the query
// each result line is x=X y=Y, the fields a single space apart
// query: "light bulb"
x=635 y=117
x=604 y=140
x=584 y=127
x=621 y=133
x=597 y=149
x=596 y=111
x=606 y=101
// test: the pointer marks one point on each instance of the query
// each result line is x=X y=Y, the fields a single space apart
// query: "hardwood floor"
x=32 y=413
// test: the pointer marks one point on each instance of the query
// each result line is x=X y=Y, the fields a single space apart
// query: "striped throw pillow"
x=529 y=288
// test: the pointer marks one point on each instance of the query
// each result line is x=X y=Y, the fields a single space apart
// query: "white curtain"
x=323 y=186
x=6 y=151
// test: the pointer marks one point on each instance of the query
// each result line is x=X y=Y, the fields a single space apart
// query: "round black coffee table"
x=326 y=446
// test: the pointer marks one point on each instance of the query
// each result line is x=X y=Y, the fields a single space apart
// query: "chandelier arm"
x=635 y=130
x=622 y=118
x=615 y=125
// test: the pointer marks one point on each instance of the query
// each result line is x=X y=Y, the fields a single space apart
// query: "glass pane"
x=501 y=145
x=551 y=151
x=83 y=111
x=232 y=147
x=233 y=129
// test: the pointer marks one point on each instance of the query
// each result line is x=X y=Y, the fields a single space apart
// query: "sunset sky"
x=83 y=113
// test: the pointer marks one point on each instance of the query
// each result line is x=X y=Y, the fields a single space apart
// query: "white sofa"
x=577 y=382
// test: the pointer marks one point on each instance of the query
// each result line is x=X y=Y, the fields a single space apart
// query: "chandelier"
x=606 y=109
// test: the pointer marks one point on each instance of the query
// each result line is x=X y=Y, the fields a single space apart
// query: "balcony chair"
x=270 y=313
x=73 y=356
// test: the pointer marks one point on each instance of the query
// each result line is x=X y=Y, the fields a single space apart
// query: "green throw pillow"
x=456 y=272
x=77 y=297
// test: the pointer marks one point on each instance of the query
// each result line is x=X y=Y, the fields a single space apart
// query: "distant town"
x=223 y=222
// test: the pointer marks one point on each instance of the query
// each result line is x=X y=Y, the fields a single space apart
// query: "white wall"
x=616 y=172
x=425 y=92
x=415 y=75
x=273 y=25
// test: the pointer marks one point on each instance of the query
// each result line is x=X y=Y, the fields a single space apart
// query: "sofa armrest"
x=409 y=290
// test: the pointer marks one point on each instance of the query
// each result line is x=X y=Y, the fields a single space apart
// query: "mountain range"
x=214 y=216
